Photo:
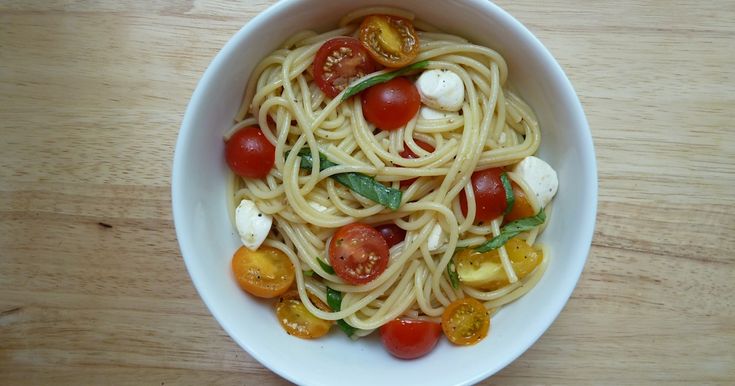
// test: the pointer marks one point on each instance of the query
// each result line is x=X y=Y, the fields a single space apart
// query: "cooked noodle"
x=494 y=128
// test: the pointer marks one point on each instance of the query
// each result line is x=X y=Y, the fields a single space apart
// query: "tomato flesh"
x=521 y=206
x=358 y=253
x=296 y=319
x=265 y=273
x=465 y=321
x=410 y=338
x=392 y=233
x=340 y=61
x=409 y=154
x=249 y=153
x=392 y=104
x=391 y=40
x=485 y=270
x=489 y=195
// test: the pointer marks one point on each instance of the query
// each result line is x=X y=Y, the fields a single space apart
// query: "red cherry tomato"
x=407 y=153
x=249 y=153
x=392 y=233
x=489 y=195
x=338 y=62
x=410 y=338
x=392 y=104
x=358 y=253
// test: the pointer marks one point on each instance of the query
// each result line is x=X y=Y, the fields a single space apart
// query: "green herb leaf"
x=511 y=230
x=509 y=197
x=334 y=299
x=452 y=272
x=326 y=267
x=383 y=78
x=359 y=183
x=309 y=272
x=346 y=328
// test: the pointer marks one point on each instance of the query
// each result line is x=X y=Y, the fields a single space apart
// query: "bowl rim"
x=585 y=234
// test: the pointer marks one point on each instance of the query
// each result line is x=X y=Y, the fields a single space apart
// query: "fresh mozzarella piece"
x=428 y=113
x=436 y=238
x=539 y=177
x=317 y=206
x=441 y=89
x=252 y=225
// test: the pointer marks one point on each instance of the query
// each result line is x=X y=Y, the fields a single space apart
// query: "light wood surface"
x=93 y=289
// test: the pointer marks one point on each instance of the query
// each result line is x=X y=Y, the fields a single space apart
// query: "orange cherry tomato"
x=465 y=321
x=358 y=253
x=485 y=270
x=521 y=206
x=296 y=319
x=392 y=41
x=265 y=273
x=410 y=338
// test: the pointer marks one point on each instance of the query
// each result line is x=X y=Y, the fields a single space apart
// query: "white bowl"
x=207 y=239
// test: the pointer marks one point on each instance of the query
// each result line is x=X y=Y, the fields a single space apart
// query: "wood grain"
x=92 y=286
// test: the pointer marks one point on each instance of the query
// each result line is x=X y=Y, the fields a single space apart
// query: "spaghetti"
x=493 y=129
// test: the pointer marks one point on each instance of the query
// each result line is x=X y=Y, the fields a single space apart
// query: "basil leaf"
x=308 y=272
x=452 y=272
x=326 y=267
x=359 y=183
x=346 y=328
x=513 y=229
x=334 y=299
x=383 y=78
x=509 y=197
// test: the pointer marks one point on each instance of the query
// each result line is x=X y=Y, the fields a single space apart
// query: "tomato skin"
x=465 y=321
x=521 y=206
x=296 y=319
x=409 y=154
x=358 y=253
x=338 y=62
x=392 y=233
x=265 y=273
x=249 y=153
x=489 y=195
x=391 y=40
x=392 y=104
x=410 y=338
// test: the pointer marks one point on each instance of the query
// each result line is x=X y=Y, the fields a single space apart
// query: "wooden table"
x=93 y=289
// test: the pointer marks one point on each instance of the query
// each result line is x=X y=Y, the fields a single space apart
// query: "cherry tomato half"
x=485 y=270
x=465 y=321
x=296 y=319
x=489 y=195
x=407 y=153
x=391 y=40
x=358 y=253
x=521 y=206
x=392 y=104
x=392 y=233
x=410 y=338
x=265 y=273
x=249 y=153
x=338 y=62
